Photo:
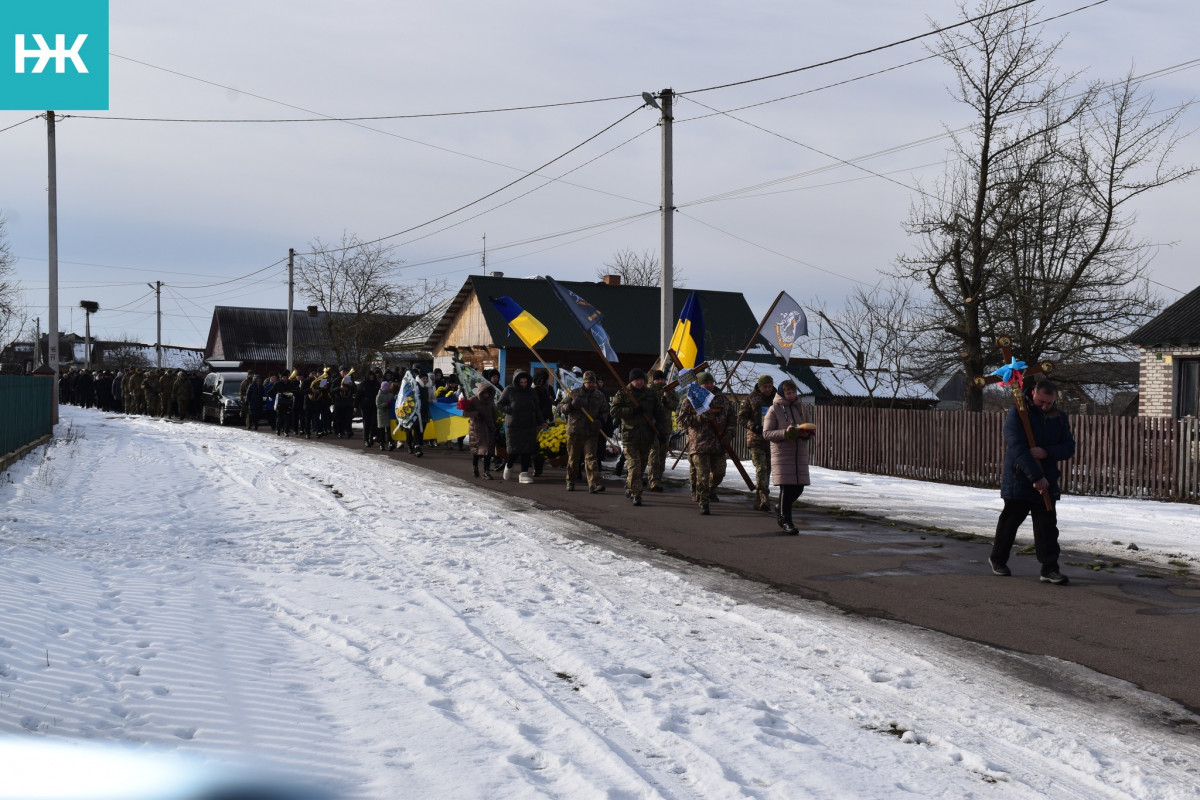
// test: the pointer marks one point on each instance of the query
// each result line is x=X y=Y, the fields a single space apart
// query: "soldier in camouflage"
x=751 y=415
x=585 y=409
x=658 y=450
x=643 y=419
x=707 y=435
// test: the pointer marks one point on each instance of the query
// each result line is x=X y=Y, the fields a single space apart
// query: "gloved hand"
x=758 y=429
x=792 y=433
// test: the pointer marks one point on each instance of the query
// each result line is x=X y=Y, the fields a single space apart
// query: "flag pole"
x=742 y=357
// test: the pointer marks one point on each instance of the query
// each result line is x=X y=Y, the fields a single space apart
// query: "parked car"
x=219 y=397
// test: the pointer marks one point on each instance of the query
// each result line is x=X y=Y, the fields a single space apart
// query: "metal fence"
x=1146 y=457
x=24 y=411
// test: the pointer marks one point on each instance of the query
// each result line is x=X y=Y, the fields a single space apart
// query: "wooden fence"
x=1146 y=457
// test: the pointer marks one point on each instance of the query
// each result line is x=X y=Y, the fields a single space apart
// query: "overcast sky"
x=201 y=206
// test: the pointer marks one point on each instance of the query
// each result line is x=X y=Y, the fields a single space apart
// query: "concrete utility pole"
x=52 y=257
x=667 y=298
x=291 y=299
x=157 y=287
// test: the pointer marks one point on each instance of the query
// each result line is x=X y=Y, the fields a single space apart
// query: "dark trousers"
x=1045 y=532
x=789 y=493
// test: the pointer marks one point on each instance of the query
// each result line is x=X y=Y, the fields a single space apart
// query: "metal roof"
x=260 y=334
x=1178 y=324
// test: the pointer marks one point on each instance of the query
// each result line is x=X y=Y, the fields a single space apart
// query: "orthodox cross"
x=1013 y=374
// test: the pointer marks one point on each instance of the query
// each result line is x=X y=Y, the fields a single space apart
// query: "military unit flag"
x=785 y=323
x=588 y=317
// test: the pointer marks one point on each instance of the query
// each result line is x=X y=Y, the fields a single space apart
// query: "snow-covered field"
x=378 y=631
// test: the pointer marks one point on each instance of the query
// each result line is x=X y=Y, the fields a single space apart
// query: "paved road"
x=1142 y=629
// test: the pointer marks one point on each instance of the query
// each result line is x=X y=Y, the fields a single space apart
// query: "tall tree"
x=1029 y=231
x=361 y=286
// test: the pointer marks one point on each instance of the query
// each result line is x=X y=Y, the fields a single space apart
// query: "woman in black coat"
x=522 y=421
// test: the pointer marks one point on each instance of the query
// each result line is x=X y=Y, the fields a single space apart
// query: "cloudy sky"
x=211 y=208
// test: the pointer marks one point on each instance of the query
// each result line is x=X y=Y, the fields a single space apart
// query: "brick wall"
x=1156 y=389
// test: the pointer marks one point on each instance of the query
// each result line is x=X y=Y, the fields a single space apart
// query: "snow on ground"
x=380 y=631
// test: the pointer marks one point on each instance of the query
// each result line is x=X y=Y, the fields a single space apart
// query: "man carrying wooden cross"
x=1037 y=436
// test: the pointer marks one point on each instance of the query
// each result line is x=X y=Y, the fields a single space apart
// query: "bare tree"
x=638 y=270
x=1028 y=232
x=13 y=315
x=874 y=338
x=361 y=287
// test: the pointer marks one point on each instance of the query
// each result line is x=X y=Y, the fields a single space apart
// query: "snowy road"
x=388 y=633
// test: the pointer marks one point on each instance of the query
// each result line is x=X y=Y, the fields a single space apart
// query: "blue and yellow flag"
x=523 y=324
x=688 y=339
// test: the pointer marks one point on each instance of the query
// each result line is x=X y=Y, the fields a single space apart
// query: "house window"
x=1187 y=388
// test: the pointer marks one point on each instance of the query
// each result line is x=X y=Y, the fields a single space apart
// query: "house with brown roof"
x=1169 y=360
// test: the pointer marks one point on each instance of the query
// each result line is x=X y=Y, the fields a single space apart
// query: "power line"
x=772 y=252
x=880 y=48
x=440 y=217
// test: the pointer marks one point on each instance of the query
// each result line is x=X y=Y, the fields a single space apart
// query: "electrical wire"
x=493 y=193
x=772 y=252
x=883 y=47
x=22 y=122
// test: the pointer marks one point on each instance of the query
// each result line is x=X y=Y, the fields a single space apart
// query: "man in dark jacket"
x=1031 y=476
x=658 y=449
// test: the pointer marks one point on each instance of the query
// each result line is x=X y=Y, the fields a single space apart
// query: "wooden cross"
x=1005 y=345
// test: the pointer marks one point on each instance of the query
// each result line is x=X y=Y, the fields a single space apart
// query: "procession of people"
x=504 y=428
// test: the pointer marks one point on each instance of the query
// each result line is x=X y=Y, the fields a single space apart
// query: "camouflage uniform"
x=707 y=435
x=134 y=395
x=150 y=392
x=632 y=406
x=751 y=416
x=167 y=394
x=183 y=395
x=658 y=450
x=584 y=410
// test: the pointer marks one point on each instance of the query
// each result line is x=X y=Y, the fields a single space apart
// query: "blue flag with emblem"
x=588 y=317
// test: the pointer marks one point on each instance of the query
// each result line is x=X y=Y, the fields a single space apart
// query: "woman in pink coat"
x=788 y=432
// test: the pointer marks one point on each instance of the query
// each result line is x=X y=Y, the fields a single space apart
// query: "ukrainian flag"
x=523 y=324
x=688 y=339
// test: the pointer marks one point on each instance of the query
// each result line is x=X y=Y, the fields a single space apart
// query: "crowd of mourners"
x=633 y=422
x=136 y=390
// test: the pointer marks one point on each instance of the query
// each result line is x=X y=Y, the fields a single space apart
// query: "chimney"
x=497 y=274
x=612 y=280
x=312 y=311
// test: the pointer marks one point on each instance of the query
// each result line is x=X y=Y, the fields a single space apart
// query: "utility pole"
x=52 y=257
x=291 y=299
x=667 y=298
x=157 y=288
x=485 y=254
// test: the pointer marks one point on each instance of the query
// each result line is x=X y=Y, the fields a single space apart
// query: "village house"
x=1169 y=360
